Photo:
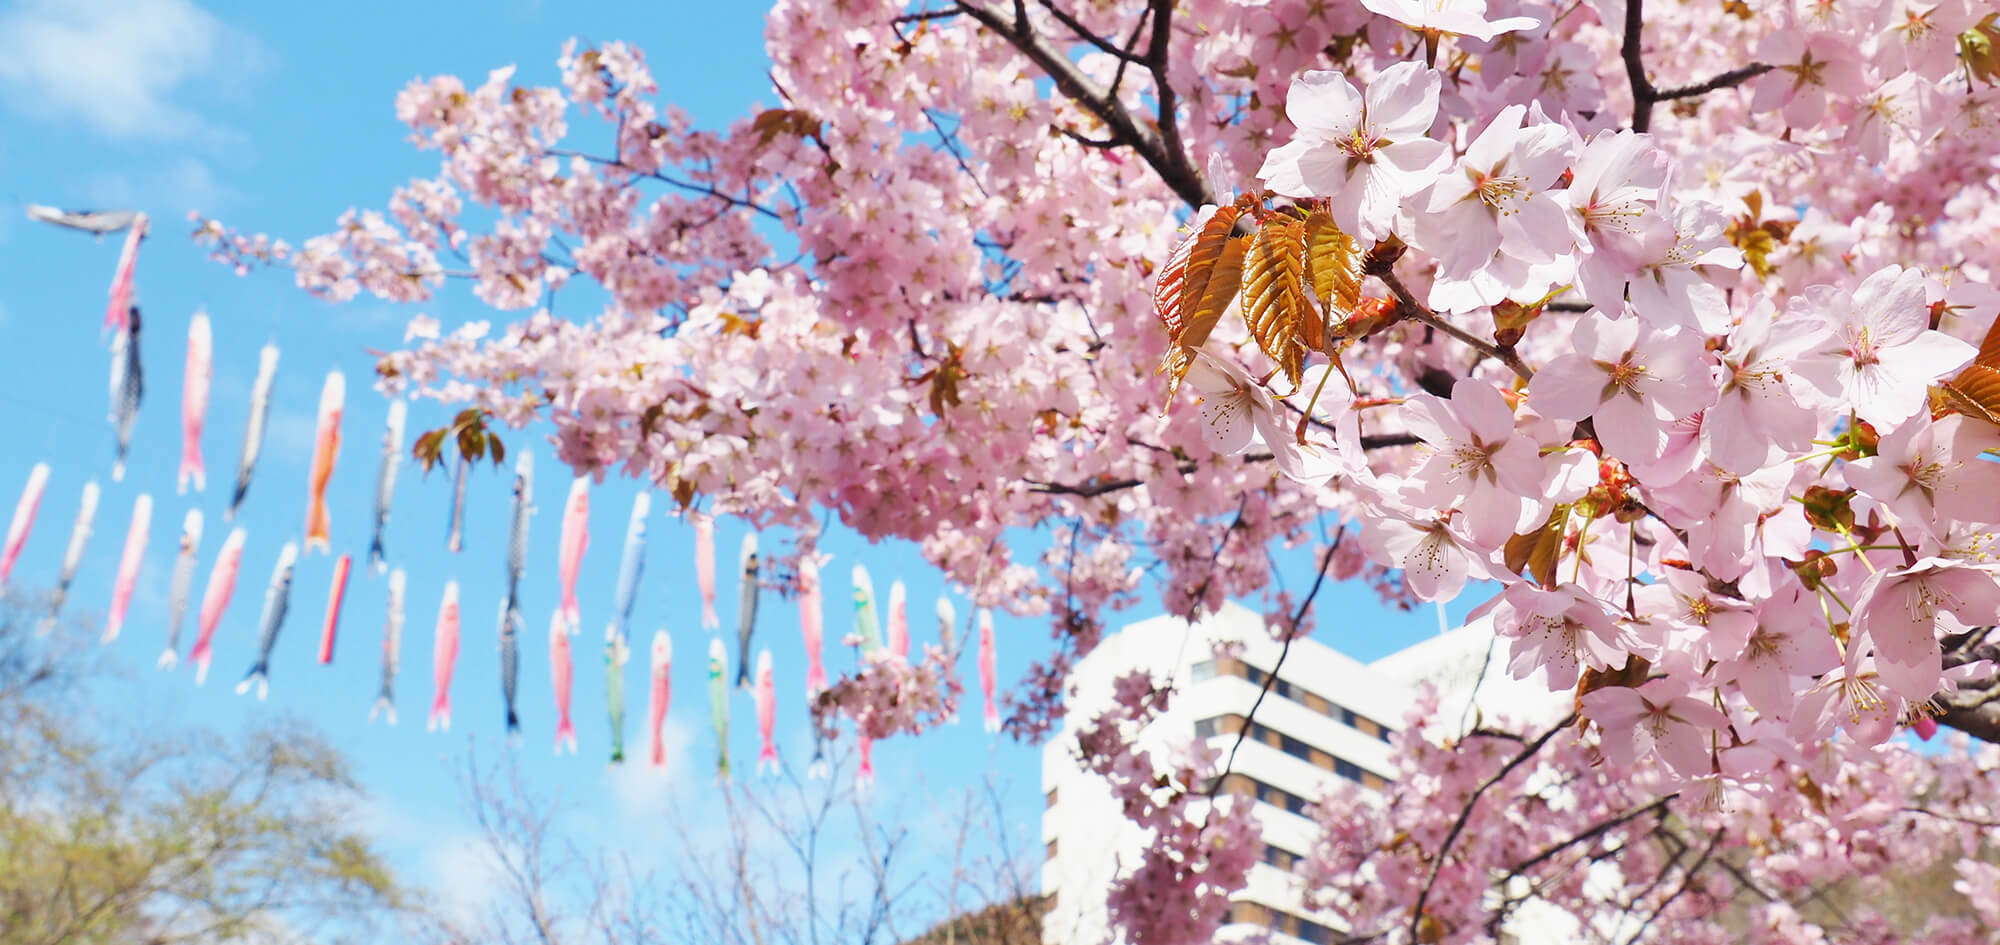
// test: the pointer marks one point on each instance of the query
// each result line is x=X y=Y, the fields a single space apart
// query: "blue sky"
x=278 y=117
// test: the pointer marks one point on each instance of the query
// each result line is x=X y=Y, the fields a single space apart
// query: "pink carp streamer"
x=326 y=449
x=988 y=669
x=704 y=569
x=662 y=694
x=812 y=624
x=120 y=306
x=767 y=714
x=128 y=565
x=899 y=619
x=864 y=776
x=24 y=521
x=194 y=402
x=215 y=599
x=333 y=597
x=444 y=658
x=575 y=541
x=561 y=673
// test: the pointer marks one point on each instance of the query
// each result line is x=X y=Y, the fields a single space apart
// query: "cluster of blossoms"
x=1542 y=837
x=1766 y=494
x=890 y=695
x=1684 y=358
x=1197 y=848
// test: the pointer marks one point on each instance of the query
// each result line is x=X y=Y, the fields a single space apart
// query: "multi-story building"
x=1326 y=718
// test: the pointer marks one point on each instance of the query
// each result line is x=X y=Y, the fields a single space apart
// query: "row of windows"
x=1209 y=669
x=1250 y=913
x=1245 y=785
x=1259 y=732
x=1281 y=858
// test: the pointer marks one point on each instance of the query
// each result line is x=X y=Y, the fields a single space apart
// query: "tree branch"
x=1644 y=94
x=1970 y=710
x=1465 y=814
x=1271 y=678
x=1659 y=805
x=1410 y=308
x=1159 y=149
x=1732 y=78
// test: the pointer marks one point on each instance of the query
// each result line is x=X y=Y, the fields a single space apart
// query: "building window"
x=1205 y=728
x=1280 y=857
x=1347 y=769
x=1202 y=671
x=1314 y=933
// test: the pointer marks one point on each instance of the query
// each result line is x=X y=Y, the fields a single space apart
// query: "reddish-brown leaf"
x=1274 y=296
x=1333 y=263
x=1210 y=242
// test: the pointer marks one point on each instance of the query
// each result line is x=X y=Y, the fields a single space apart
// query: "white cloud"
x=170 y=189
x=641 y=791
x=115 y=65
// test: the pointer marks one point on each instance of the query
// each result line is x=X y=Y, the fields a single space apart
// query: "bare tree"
x=795 y=861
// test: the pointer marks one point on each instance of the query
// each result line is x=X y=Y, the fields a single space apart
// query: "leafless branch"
x=1465 y=814
x=1644 y=94
x=1161 y=149
x=1271 y=678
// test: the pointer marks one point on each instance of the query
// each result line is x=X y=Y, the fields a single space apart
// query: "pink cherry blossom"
x=1480 y=465
x=1929 y=475
x=1464 y=17
x=1496 y=228
x=1881 y=354
x=1901 y=611
x=1367 y=153
x=1630 y=377
x=1560 y=632
x=1659 y=716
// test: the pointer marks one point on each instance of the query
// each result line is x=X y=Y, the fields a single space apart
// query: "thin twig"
x=1271 y=677
x=1465 y=814
x=1412 y=309
x=1659 y=805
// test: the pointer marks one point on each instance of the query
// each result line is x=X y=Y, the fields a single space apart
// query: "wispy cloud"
x=116 y=66
x=172 y=188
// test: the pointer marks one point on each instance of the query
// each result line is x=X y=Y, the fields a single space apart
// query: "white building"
x=1326 y=718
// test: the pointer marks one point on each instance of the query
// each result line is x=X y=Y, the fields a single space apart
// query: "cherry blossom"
x=1659 y=716
x=1365 y=151
x=1901 y=611
x=1881 y=353
x=1480 y=464
x=1628 y=376
x=1464 y=17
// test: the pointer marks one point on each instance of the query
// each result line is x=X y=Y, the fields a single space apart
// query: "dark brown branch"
x=1160 y=149
x=1733 y=77
x=1971 y=710
x=1083 y=33
x=1412 y=309
x=1094 y=487
x=1102 y=144
x=1271 y=677
x=1635 y=66
x=1687 y=879
x=922 y=15
x=1644 y=94
x=1659 y=806
x=1465 y=815
x=691 y=187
